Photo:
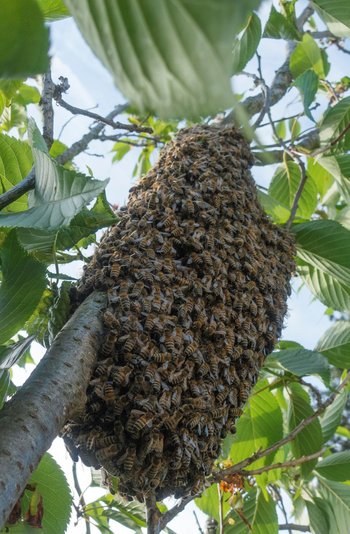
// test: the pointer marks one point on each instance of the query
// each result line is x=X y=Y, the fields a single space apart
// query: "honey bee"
x=110 y=320
x=108 y=394
x=103 y=367
x=137 y=289
x=108 y=346
x=104 y=441
x=150 y=321
x=172 y=421
x=107 y=453
x=121 y=375
x=168 y=341
x=191 y=348
x=115 y=269
x=128 y=459
x=165 y=400
x=138 y=422
x=176 y=396
x=123 y=295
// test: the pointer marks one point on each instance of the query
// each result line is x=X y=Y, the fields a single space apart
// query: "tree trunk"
x=54 y=393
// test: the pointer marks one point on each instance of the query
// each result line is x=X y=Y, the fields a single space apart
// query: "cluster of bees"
x=197 y=279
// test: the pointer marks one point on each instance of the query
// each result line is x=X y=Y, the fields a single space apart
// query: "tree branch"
x=33 y=417
x=47 y=109
x=294 y=526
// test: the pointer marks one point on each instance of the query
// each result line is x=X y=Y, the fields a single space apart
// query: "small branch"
x=18 y=190
x=220 y=475
x=98 y=118
x=281 y=465
x=294 y=526
x=200 y=530
x=80 y=494
x=47 y=109
x=299 y=192
x=281 y=506
x=174 y=511
x=152 y=515
x=221 y=511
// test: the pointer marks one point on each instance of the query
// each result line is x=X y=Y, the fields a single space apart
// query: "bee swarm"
x=197 y=279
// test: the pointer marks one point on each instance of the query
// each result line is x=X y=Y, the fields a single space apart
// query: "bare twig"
x=281 y=506
x=282 y=465
x=198 y=523
x=237 y=468
x=221 y=511
x=81 y=496
x=46 y=107
x=294 y=526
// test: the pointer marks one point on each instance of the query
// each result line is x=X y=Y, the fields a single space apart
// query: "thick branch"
x=54 y=393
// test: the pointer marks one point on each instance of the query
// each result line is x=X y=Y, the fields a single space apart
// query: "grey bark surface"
x=53 y=393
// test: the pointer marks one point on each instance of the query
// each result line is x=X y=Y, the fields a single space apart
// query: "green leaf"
x=301 y=362
x=334 y=125
x=307 y=55
x=322 y=178
x=339 y=168
x=265 y=516
x=208 y=502
x=333 y=415
x=318 y=518
x=343 y=217
x=335 y=14
x=245 y=47
x=325 y=245
x=15 y=163
x=335 y=466
x=23 y=282
x=279 y=27
x=338 y=496
x=60 y=311
x=307 y=83
x=249 y=510
x=335 y=344
x=120 y=149
x=51 y=483
x=284 y=186
x=171 y=58
x=130 y=514
x=10 y=354
x=274 y=208
x=59 y=193
x=258 y=427
x=24 y=40
x=327 y=289
x=309 y=440
x=53 y=9
x=44 y=243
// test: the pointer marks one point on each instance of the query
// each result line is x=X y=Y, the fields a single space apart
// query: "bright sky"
x=91 y=85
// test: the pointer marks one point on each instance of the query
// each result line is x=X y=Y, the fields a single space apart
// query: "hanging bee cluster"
x=197 y=279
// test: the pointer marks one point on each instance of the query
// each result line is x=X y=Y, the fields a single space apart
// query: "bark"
x=54 y=393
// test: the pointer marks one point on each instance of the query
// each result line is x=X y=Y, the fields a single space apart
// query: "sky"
x=91 y=86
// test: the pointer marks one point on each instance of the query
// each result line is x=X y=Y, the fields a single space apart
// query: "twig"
x=105 y=120
x=152 y=515
x=299 y=192
x=220 y=475
x=174 y=511
x=81 y=496
x=46 y=107
x=281 y=465
x=221 y=511
x=294 y=526
x=341 y=47
x=198 y=523
x=281 y=506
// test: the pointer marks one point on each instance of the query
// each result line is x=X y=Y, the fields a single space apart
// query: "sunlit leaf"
x=284 y=186
x=336 y=14
x=53 y=9
x=24 y=39
x=322 y=178
x=335 y=344
x=265 y=516
x=307 y=55
x=279 y=213
x=23 y=282
x=171 y=58
x=339 y=168
x=338 y=495
x=209 y=501
x=309 y=440
x=16 y=160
